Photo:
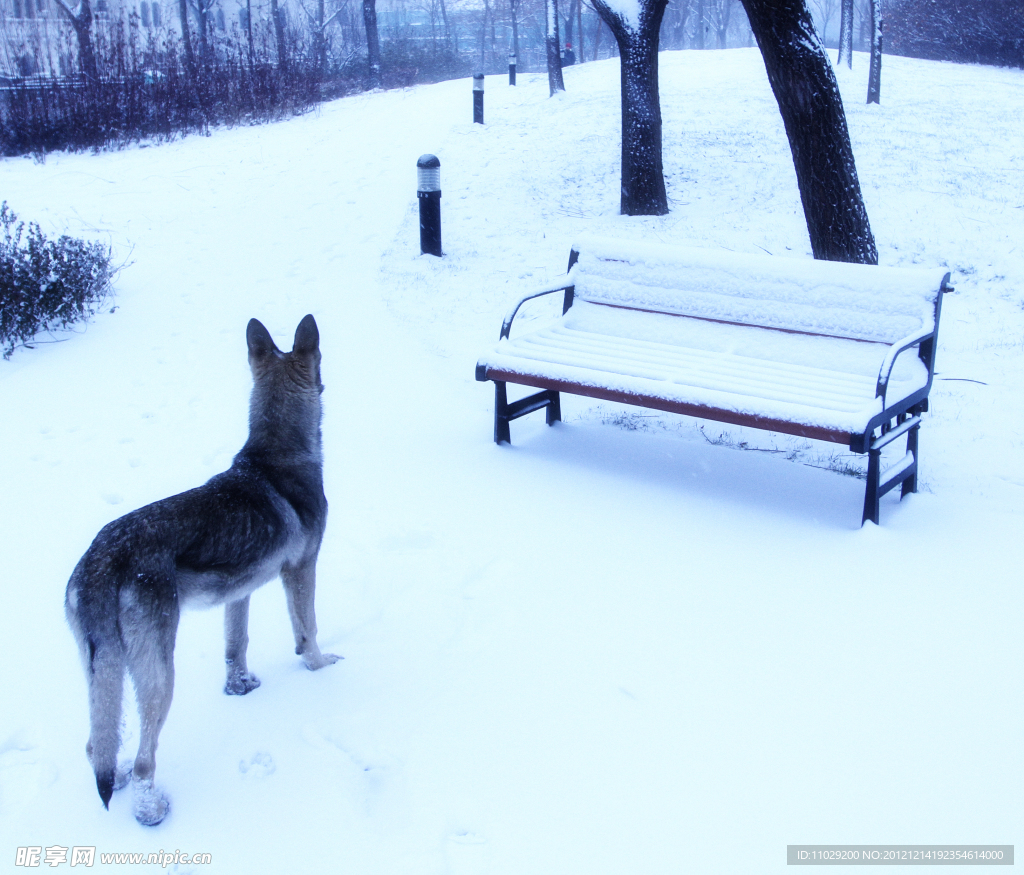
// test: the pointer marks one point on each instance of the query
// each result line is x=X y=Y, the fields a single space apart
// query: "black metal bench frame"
x=893 y=422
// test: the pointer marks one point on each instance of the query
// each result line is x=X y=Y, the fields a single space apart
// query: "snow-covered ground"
x=631 y=643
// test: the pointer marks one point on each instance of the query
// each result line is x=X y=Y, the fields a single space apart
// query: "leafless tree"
x=719 y=13
x=875 y=72
x=186 y=36
x=277 y=14
x=372 y=43
x=846 y=33
x=805 y=88
x=643 y=177
x=248 y=35
x=486 y=19
x=555 y=81
x=318 y=21
x=513 y=7
x=673 y=26
x=700 y=25
x=826 y=12
x=81 y=21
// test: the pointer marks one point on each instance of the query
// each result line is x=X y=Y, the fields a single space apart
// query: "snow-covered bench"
x=808 y=348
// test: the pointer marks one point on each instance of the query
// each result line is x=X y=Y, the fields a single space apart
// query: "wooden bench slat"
x=731 y=374
x=668 y=405
x=673 y=364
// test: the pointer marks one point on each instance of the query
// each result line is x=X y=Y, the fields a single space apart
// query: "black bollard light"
x=428 y=191
x=511 y=69
x=478 y=98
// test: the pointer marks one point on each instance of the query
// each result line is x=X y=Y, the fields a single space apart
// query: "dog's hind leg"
x=88 y=605
x=106 y=687
x=150 y=652
x=300 y=588
x=236 y=642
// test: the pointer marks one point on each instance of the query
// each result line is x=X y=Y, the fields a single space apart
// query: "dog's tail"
x=92 y=613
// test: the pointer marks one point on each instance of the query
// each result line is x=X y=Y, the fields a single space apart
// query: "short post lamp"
x=478 y=98
x=428 y=192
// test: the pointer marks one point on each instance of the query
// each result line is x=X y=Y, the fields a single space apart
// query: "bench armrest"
x=889 y=361
x=559 y=285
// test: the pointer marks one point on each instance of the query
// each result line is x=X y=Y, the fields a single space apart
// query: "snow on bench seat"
x=812 y=383
x=805 y=347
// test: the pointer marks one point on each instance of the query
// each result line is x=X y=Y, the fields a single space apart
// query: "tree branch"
x=64 y=8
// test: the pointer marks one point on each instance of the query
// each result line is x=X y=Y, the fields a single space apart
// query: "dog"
x=262 y=518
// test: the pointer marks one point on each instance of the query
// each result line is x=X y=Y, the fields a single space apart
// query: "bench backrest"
x=863 y=302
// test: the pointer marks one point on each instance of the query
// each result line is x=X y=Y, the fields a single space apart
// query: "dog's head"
x=285 y=404
x=301 y=365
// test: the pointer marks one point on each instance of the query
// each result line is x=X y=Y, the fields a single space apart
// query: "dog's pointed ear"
x=307 y=336
x=258 y=339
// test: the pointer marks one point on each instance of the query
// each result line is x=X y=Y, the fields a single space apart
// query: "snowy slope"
x=623 y=644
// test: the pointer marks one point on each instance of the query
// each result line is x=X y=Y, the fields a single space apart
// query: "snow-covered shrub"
x=46 y=283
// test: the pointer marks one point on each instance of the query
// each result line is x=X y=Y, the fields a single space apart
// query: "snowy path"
x=601 y=650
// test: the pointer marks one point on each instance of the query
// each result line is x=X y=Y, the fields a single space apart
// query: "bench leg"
x=903 y=472
x=910 y=484
x=501 y=417
x=554 y=411
x=504 y=412
x=871 y=495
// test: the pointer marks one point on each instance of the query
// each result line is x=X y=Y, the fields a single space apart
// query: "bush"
x=46 y=284
x=965 y=31
x=148 y=90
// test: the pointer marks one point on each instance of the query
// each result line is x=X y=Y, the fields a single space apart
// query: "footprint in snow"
x=259 y=765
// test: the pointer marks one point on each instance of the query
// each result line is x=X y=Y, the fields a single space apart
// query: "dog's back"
x=263 y=517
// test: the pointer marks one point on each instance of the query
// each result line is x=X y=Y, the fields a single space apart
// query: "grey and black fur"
x=262 y=518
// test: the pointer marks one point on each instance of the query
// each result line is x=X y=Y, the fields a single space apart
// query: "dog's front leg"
x=236 y=641
x=300 y=587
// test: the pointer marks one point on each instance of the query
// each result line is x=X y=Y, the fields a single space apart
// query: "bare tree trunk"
x=875 y=73
x=277 y=13
x=570 y=20
x=483 y=35
x=186 y=36
x=555 y=81
x=444 y=17
x=677 y=15
x=698 y=27
x=812 y=112
x=643 y=177
x=373 y=42
x=82 y=25
x=248 y=31
x=724 y=10
x=579 y=28
x=319 y=39
x=846 y=33
x=201 y=9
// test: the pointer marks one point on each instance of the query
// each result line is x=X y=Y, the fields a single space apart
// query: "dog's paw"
x=151 y=806
x=123 y=774
x=240 y=684
x=319 y=661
